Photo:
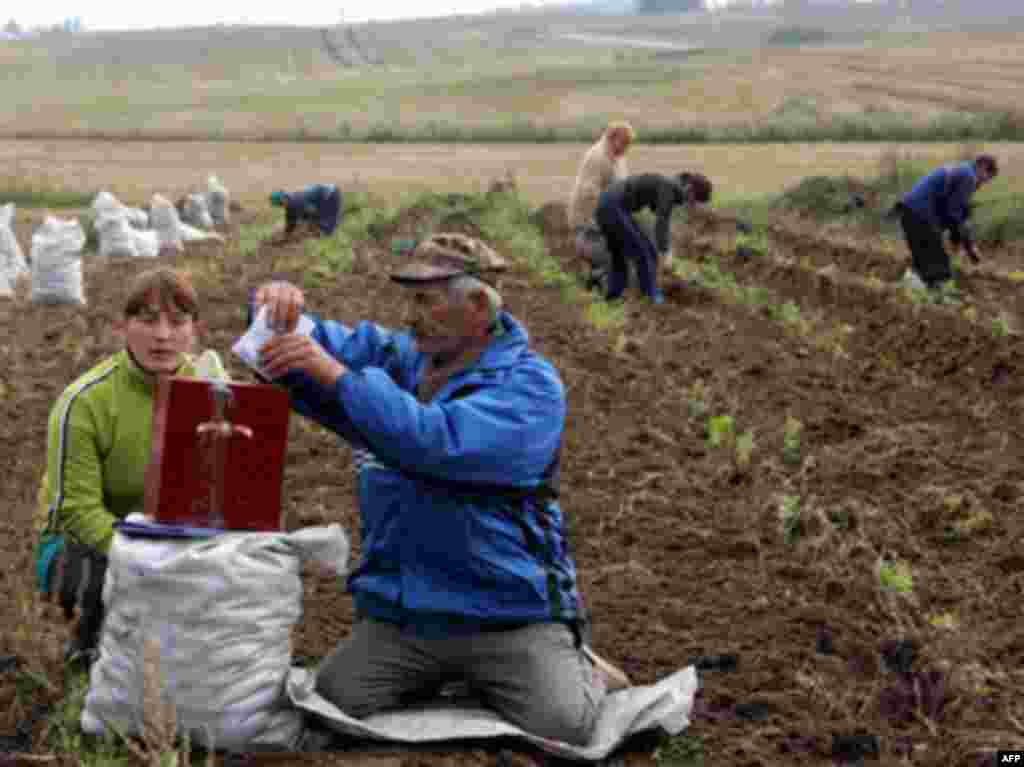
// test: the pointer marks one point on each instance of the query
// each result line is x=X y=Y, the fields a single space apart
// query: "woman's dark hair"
x=988 y=162
x=169 y=288
x=698 y=184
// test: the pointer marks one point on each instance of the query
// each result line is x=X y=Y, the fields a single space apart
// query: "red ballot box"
x=218 y=454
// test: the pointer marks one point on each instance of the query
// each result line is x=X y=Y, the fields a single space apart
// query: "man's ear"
x=479 y=303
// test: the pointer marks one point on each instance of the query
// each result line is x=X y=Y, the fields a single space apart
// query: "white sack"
x=166 y=223
x=137 y=217
x=222 y=609
x=57 y=262
x=119 y=239
x=105 y=203
x=218 y=200
x=196 y=211
x=12 y=259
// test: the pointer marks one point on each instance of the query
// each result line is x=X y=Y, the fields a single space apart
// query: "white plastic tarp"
x=665 y=705
x=222 y=609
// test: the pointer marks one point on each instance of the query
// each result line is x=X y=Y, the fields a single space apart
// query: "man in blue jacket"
x=938 y=202
x=465 y=571
x=319 y=204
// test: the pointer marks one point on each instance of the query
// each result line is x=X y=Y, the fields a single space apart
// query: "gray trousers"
x=535 y=677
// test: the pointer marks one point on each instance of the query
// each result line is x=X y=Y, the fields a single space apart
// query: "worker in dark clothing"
x=319 y=204
x=941 y=201
x=626 y=239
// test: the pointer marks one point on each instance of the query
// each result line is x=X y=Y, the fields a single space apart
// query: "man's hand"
x=292 y=352
x=284 y=304
x=667 y=260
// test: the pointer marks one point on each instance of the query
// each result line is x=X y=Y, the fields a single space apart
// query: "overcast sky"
x=117 y=14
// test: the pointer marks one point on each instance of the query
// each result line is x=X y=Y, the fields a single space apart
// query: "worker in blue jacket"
x=319 y=204
x=940 y=201
x=465 y=570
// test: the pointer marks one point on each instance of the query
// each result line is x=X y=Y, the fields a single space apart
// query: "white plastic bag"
x=222 y=610
x=164 y=217
x=218 y=200
x=196 y=211
x=57 y=262
x=12 y=260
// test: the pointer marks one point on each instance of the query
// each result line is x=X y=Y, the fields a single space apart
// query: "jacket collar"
x=140 y=377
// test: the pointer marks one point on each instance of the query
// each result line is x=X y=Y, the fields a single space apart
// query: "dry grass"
x=545 y=172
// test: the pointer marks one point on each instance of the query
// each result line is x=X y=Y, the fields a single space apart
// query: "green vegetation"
x=791 y=440
x=681 y=750
x=721 y=430
x=41 y=194
x=797 y=36
x=791 y=518
x=895 y=577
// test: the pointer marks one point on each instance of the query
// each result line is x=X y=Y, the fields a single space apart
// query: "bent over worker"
x=465 y=571
x=319 y=204
x=626 y=240
x=940 y=202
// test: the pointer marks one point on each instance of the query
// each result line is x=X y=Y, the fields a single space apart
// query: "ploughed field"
x=871 y=438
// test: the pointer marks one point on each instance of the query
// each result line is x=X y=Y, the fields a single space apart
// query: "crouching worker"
x=318 y=205
x=465 y=571
x=626 y=240
x=98 y=446
x=940 y=201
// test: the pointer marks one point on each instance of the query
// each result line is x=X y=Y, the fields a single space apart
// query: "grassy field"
x=518 y=77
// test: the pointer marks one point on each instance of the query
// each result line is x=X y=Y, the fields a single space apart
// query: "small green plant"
x=1000 y=327
x=604 y=316
x=791 y=518
x=791 y=439
x=895 y=577
x=787 y=313
x=680 y=751
x=753 y=244
x=744 y=450
x=720 y=430
x=840 y=518
x=696 y=405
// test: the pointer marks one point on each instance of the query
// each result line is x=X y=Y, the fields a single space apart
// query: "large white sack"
x=115 y=234
x=218 y=200
x=222 y=610
x=164 y=218
x=196 y=211
x=118 y=238
x=57 y=262
x=12 y=259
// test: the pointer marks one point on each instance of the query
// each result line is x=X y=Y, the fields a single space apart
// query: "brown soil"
x=910 y=450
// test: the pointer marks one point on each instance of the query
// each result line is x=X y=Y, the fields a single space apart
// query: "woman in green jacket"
x=98 y=445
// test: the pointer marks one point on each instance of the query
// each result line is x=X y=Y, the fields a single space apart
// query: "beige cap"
x=446 y=255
